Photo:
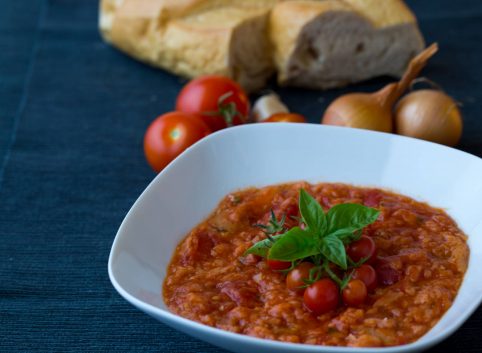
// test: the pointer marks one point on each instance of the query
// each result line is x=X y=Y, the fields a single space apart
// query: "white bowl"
x=186 y=192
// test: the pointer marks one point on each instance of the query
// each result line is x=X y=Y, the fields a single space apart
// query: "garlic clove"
x=268 y=105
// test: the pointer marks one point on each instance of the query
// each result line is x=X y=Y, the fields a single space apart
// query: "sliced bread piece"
x=332 y=43
x=195 y=37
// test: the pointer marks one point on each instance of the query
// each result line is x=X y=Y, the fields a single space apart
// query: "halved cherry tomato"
x=362 y=248
x=355 y=293
x=220 y=101
x=285 y=118
x=322 y=296
x=294 y=279
x=367 y=275
x=277 y=265
x=169 y=135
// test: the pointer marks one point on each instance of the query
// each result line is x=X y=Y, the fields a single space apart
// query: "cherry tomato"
x=277 y=265
x=285 y=118
x=294 y=279
x=362 y=248
x=355 y=293
x=220 y=101
x=169 y=135
x=322 y=296
x=367 y=275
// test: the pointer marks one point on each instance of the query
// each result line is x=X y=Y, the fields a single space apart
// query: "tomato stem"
x=274 y=226
x=228 y=110
x=330 y=273
x=352 y=263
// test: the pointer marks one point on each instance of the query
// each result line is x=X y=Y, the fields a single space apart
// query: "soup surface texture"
x=421 y=259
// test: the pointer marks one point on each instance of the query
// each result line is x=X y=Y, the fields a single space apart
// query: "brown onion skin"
x=373 y=111
x=359 y=110
x=429 y=115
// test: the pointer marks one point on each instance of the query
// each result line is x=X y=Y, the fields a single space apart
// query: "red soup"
x=420 y=260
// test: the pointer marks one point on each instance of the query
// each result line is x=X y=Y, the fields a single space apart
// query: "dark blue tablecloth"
x=72 y=116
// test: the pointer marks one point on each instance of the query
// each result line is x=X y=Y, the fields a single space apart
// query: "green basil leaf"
x=348 y=236
x=312 y=213
x=349 y=217
x=333 y=249
x=295 y=244
x=262 y=247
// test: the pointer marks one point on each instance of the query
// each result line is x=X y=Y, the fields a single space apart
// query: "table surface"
x=72 y=115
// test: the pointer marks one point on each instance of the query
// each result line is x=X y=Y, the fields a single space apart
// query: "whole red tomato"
x=364 y=248
x=220 y=101
x=277 y=265
x=368 y=275
x=295 y=280
x=169 y=135
x=355 y=293
x=322 y=296
x=285 y=118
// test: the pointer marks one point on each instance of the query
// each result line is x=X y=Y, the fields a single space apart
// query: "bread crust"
x=383 y=13
x=192 y=37
x=246 y=40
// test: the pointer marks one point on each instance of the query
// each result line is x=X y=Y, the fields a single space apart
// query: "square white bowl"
x=186 y=192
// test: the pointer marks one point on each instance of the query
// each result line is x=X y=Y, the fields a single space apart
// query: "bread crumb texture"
x=309 y=43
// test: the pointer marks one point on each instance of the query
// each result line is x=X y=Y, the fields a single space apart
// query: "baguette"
x=195 y=37
x=313 y=43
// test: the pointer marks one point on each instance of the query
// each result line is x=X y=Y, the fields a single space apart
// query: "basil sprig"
x=325 y=234
x=261 y=248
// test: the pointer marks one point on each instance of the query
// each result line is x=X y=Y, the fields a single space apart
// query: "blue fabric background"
x=72 y=116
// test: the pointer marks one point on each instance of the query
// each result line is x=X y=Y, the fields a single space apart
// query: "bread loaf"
x=310 y=43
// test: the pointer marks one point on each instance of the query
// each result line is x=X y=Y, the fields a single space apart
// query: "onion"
x=373 y=111
x=429 y=115
x=363 y=110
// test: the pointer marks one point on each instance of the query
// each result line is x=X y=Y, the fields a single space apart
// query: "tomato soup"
x=421 y=259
